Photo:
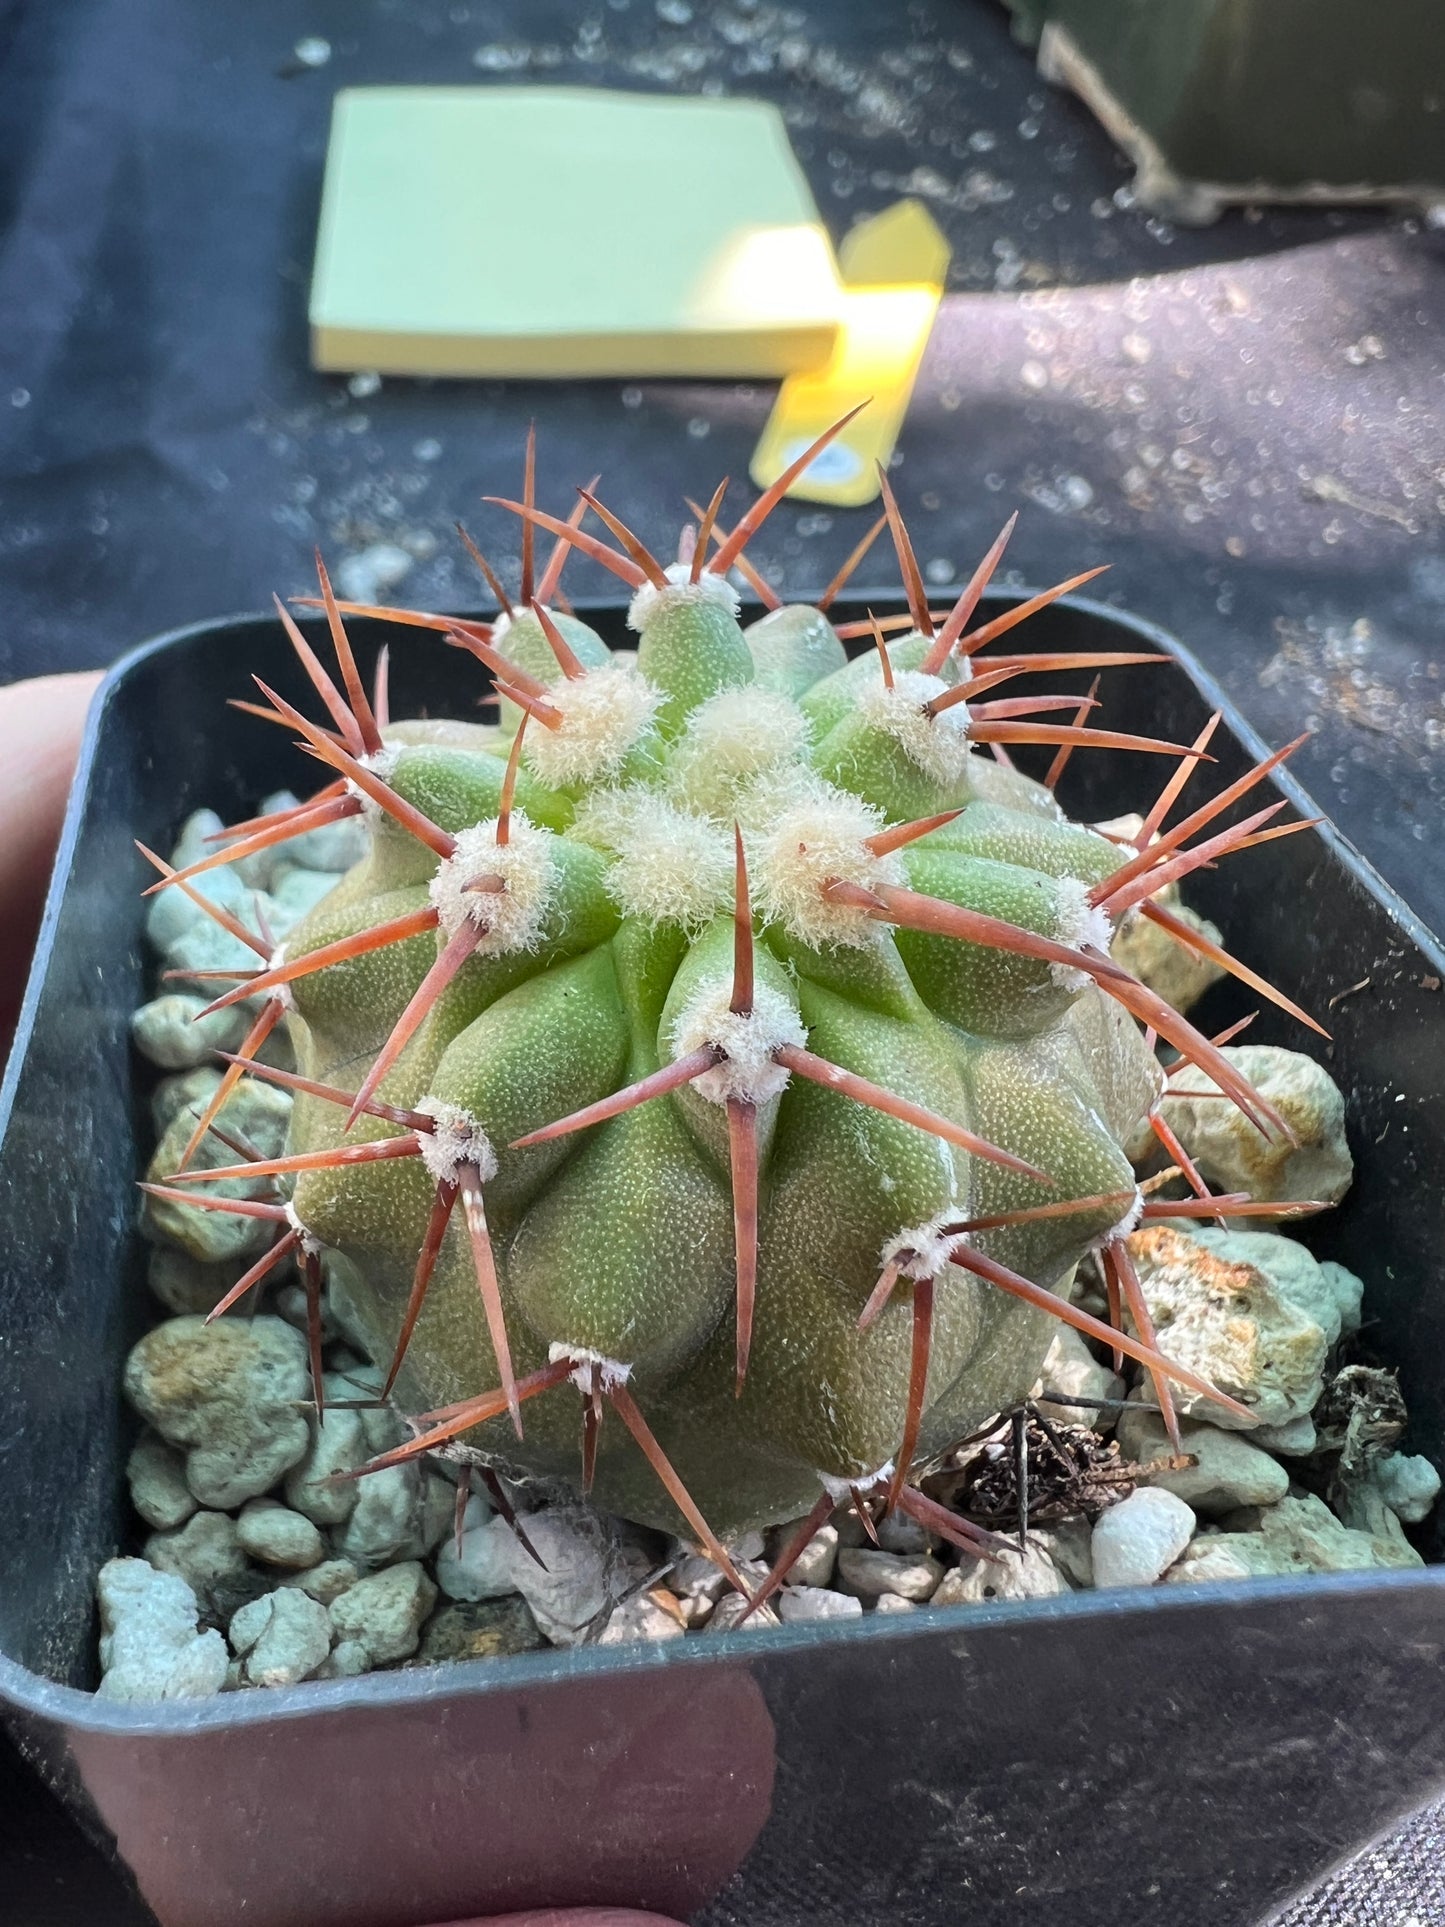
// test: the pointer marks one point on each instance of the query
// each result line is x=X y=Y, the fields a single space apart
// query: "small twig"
x=597 y=1625
x=1021 y=1472
x=1093 y=1404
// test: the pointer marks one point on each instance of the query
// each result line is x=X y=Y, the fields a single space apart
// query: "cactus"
x=714 y=1073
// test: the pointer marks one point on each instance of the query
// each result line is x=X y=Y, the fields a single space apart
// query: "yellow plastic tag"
x=893 y=266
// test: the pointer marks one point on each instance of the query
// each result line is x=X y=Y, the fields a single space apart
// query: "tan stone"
x=1226 y=1321
x=1234 y=1155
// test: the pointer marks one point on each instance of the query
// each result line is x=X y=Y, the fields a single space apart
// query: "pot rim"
x=81 y=1711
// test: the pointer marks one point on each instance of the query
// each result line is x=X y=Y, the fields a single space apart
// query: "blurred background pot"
x=1220 y=101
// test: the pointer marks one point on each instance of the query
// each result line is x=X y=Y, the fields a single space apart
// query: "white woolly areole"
x=925 y=1251
x=610 y=1372
x=820 y=836
x=938 y=745
x=747 y=1039
x=603 y=715
x=500 y=624
x=731 y=740
x=670 y=866
x=1080 y=923
x=760 y=805
x=280 y=993
x=1121 y=835
x=678 y=593
x=457 y=1140
x=310 y=1244
x=1125 y=1225
x=510 y=919
x=841 y=1491
x=381 y=762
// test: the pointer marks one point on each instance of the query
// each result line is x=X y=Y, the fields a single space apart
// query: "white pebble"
x=1314 y=1163
x=149 y=1645
x=277 y=1536
x=1297 y=1535
x=348 y=1660
x=1136 y=1541
x=401 y=1512
x=1297 y=1438
x=283 y=1637
x=898 y=1533
x=696 y=1577
x=1010 y=1575
x=1327 y=1293
x=481 y=1569
x=799 y=1603
x=1069 y=1366
x=569 y=1593
x=298 y=892
x=813 y=1565
x=183 y=1284
x=206 y=1553
x=745 y=1546
x=1069 y=1544
x=1229 y=1322
x=1408 y=1485
x=337 y=1446
x=327 y=1581
x=639 y=1618
x=335 y=846
x=171 y=1033
x=380 y=1521
x=728 y=1614
x=384 y=1611
x=156 y=1474
x=868 y=1573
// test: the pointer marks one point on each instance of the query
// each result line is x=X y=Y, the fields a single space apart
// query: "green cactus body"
x=617 y=1243
x=793 y=647
x=721 y=1044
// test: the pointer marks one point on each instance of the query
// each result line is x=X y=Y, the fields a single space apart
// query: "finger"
x=41 y=722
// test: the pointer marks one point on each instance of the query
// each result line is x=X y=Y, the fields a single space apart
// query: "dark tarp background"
x=1243 y=421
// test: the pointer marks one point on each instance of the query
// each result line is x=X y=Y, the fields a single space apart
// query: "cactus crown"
x=727 y=1036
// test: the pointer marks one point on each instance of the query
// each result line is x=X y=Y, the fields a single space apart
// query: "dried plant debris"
x=1030 y=1470
x=632 y=1140
x=1361 y=1417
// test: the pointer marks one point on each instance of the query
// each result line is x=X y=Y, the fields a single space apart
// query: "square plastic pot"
x=1189 y=1754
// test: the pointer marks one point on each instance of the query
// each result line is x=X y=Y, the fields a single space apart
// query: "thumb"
x=40 y=728
x=571 y=1917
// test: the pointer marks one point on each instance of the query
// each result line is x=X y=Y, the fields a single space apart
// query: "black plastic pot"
x=1223 y=101
x=1188 y=1755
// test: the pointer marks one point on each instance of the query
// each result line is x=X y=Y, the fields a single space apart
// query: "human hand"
x=40 y=728
x=571 y=1917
